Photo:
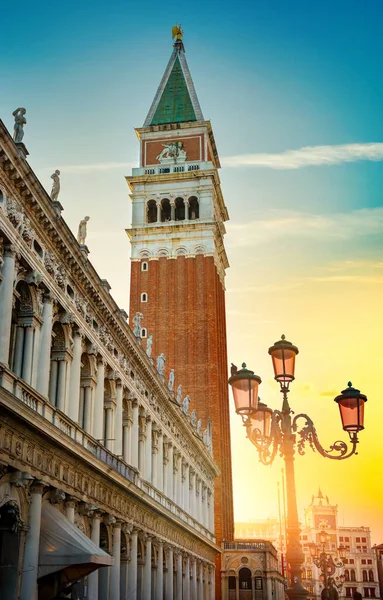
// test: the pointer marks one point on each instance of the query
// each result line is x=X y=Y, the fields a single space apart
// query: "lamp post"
x=325 y=562
x=272 y=430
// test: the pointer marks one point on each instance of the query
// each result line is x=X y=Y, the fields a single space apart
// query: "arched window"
x=144 y=266
x=245 y=579
x=352 y=575
x=144 y=332
x=371 y=575
x=364 y=575
x=144 y=297
x=151 y=211
x=180 y=209
x=165 y=210
x=193 y=208
x=347 y=575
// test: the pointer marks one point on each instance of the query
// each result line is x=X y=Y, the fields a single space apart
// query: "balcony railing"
x=175 y=168
x=24 y=393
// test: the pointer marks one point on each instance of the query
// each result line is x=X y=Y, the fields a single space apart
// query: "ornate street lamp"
x=273 y=430
x=325 y=562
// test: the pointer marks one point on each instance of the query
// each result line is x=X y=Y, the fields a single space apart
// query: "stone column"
x=172 y=210
x=193 y=586
x=206 y=583
x=155 y=456
x=210 y=505
x=118 y=419
x=200 y=582
x=6 y=301
x=28 y=354
x=134 y=435
x=44 y=351
x=186 y=491
x=160 y=571
x=93 y=577
x=160 y=462
x=186 y=203
x=98 y=423
x=126 y=442
x=88 y=408
x=141 y=445
x=109 y=428
x=114 y=589
x=212 y=583
x=70 y=505
x=147 y=578
x=132 y=575
x=192 y=493
x=159 y=211
x=61 y=381
x=179 y=577
x=179 y=482
x=74 y=384
x=148 y=450
x=186 y=595
x=224 y=586
x=169 y=576
x=32 y=542
x=19 y=347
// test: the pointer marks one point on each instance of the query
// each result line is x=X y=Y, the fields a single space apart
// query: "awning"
x=63 y=547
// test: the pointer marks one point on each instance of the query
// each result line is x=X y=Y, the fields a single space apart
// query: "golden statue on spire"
x=177 y=32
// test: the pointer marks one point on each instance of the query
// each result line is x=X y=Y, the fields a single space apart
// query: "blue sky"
x=305 y=244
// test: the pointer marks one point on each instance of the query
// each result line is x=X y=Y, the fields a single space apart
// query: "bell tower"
x=178 y=259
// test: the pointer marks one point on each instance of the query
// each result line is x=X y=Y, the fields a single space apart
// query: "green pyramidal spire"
x=176 y=100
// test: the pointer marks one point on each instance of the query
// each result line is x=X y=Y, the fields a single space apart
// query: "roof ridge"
x=190 y=109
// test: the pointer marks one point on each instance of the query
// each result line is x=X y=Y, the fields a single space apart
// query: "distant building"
x=379 y=560
x=360 y=565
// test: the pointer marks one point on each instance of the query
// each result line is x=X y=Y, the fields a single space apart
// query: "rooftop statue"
x=56 y=185
x=179 y=393
x=185 y=404
x=161 y=364
x=149 y=343
x=81 y=235
x=20 y=121
x=137 y=324
x=177 y=32
x=171 y=380
x=194 y=419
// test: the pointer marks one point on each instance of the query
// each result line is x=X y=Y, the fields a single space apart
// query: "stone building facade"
x=250 y=571
x=92 y=442
x=360 y=565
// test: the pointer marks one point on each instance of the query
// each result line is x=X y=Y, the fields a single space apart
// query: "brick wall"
x=186 y=314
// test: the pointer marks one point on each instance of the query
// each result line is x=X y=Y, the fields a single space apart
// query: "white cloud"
x=309 y=156
x=274 y=224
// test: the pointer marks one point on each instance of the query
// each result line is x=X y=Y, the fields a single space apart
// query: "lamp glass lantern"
x=351 y=407
x=245 y=384
x=323 y=537
x=261 y=420
x=342 y=552
x=283 y=355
